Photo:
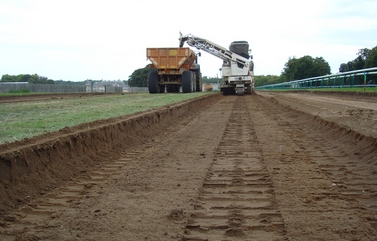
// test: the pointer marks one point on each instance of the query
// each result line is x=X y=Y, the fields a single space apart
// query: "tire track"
x=42 y=218
x=70 y=196
x=322 y=189
x=237 y=200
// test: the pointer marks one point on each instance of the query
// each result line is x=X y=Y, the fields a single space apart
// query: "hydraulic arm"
x=213 y=49
x=237 y=70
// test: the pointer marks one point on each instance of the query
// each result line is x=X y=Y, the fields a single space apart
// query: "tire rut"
x=324 y=190
x=237 y=199
x=42 y=218
x=69 y=197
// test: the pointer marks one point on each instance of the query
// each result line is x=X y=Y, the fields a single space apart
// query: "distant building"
x=106 y=86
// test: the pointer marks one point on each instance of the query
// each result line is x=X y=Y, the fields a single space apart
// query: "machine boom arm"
x=212 y=48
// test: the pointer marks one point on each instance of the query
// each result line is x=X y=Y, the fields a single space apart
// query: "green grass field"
x=19 y=120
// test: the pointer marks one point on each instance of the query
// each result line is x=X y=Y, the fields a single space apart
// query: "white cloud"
x=77 y=40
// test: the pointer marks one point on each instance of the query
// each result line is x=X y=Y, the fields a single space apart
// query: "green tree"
x=363 y=54
x=360 y=62
x=32 y=79
x=344 y=67
x=321 y=67
x=8 y=78
x=305 y=67
x=139 y=78
x=261 y=80
x=371 y=60
x=206 y=79
x=290 y=69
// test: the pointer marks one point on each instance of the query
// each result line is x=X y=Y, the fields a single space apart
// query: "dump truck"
x=208 y=87
x=238 y=67
x=173 y=68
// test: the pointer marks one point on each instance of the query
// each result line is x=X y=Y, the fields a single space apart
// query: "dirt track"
x=269 y=166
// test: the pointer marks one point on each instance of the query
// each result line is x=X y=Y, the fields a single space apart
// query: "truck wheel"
x=193 y=79
x=186 y=82
x=199 y=85
x=153 y=82
x=249 y=90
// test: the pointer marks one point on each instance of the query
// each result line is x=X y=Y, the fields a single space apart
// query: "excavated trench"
x=33 y=166
x=259 y=167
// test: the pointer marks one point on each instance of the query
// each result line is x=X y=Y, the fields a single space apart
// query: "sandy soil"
x=270 y=166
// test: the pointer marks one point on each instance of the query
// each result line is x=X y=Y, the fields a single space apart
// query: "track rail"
x=237 y=199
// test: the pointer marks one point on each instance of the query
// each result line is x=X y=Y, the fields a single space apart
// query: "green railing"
x=357 y=78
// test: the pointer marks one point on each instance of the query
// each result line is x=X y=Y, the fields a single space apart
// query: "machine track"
x=237 y=199
x=68 y=198
x=254 y=167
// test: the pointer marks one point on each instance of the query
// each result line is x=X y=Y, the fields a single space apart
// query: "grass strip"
x=19 y=120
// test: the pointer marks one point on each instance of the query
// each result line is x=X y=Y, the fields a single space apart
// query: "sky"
x=78 y=40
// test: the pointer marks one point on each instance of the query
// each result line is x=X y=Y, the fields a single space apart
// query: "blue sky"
x=80 y=39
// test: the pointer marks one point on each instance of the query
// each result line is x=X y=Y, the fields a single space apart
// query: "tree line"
x=37 y=79
x=307 y=66
x=366 y=58
x=30 y=78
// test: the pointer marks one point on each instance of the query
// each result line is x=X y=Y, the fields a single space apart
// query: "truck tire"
x=249 y=90
x=153 y=82
x=193 y=79
x=186 y=81
x=199 y=85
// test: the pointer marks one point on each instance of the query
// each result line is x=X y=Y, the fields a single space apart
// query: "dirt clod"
x=177 y=214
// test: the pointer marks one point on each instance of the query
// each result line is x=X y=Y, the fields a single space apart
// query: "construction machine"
x=208 y=87
x=173 y=68
x=238 y=67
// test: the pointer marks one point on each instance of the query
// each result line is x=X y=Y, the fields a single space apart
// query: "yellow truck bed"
x=171 y=60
